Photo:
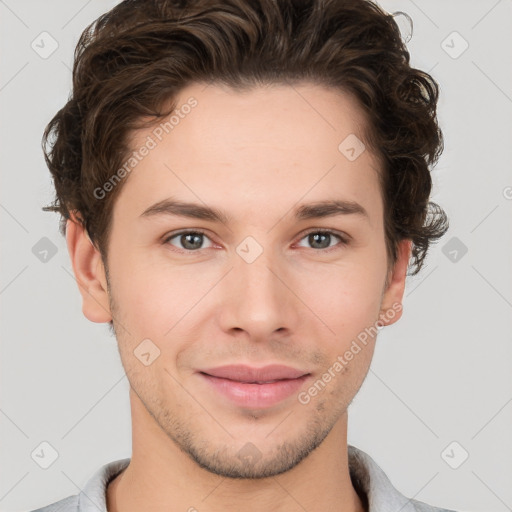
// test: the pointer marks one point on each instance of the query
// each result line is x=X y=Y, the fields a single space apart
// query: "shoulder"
x=369 y=479
x=419 y=506
x=92 y=498
x=69 y=504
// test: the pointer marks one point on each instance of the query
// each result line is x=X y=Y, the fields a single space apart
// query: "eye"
x=320 y=239
x=189 y=240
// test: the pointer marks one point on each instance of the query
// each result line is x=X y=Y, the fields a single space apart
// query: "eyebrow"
x=315 y=210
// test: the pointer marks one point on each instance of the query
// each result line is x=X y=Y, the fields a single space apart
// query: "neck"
x=162 y=477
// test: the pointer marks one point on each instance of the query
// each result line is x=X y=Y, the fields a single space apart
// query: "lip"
x=239 y=383
x=244 y=373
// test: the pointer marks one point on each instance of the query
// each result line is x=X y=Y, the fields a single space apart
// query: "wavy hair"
x=133 y=60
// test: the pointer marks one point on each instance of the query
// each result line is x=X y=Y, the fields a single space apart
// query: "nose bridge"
x=260 y=281
x=259 y=302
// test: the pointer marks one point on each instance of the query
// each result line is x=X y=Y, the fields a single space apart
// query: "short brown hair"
x=134 y=59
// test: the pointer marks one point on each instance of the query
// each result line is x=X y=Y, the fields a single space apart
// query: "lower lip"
x=255 y=395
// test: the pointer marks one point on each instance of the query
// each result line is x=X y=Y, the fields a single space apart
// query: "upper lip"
x=244 y=373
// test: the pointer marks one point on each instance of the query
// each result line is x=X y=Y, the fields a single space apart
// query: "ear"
x=89 y=272
x=391 y=304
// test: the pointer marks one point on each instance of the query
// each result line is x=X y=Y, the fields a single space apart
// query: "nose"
x=257 y=297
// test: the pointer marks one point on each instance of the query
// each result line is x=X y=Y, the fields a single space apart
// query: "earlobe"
x=89 y=272
x=391 y=305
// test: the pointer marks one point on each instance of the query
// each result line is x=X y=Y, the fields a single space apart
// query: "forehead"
x=291 y=115
x=270 y=145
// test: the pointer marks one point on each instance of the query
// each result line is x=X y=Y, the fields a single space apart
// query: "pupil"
x=316 y=236
x=191 y=245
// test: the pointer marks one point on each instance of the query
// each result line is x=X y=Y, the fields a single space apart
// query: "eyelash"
x=343 y=240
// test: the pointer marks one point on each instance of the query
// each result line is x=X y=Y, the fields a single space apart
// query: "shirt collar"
x=367 y=478
x=370 y=480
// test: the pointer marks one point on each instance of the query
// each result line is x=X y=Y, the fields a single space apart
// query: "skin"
x=256 y=155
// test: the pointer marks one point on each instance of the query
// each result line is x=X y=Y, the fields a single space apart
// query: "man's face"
x=264 y=287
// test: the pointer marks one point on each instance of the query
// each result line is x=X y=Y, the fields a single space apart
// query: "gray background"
x=441 y=374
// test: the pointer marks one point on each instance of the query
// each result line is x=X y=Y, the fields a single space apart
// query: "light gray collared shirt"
x=367 y=477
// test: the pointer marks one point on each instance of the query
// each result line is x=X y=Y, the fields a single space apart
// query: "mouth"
x=261 y=375
x=246 y=387
x=248 y=381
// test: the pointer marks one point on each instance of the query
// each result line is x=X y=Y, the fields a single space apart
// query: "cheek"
x=148 y=294
x=165 y=304
x=347 y=298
